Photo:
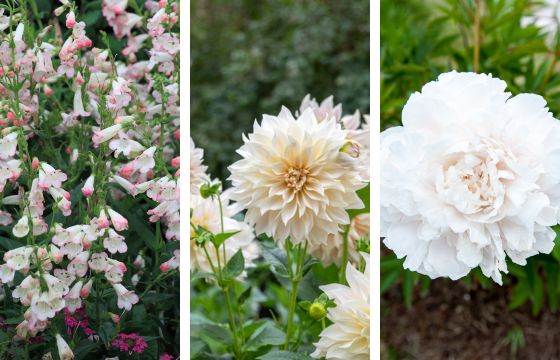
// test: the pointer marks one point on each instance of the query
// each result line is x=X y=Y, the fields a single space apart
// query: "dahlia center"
x=296 y=178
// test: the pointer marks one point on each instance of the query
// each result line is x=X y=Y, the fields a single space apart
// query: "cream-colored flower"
x=294 y=180
x=64 y=351
x=330 y=251
x=348 y=336
x=197 y=169
x=324 y=111
x=206 y=213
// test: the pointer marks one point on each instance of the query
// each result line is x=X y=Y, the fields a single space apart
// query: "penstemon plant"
x=89 y=172
x=302 y=186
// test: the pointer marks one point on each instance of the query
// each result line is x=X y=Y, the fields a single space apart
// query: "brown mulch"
x=455 y=323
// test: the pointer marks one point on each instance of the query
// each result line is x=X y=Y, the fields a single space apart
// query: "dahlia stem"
x=295 y=279
x=232 y=323
x=344 y=261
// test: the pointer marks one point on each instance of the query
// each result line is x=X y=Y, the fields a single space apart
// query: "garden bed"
x=455 y=322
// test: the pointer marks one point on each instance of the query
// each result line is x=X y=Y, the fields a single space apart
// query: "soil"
x=454 y=322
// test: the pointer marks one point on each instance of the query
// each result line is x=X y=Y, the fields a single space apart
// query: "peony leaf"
x=552 y=285
x=408 y=287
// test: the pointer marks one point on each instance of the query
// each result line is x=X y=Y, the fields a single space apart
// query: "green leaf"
x=85 y=348
x=235 y=265
x=212 y=331
x=284 y=355
x=246 y=294
x=408 y=287
x=197 y=346
x=388 y=280
x=363 y=194
x=521 y=294
x=219 y=239
x=267 y=335
x=157 y=297
x=277 y=259
x=9 y=244
x=552 y=285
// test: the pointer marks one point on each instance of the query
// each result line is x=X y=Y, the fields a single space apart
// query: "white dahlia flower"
x=330 y=251
x=206 y=213
x=294 y=180
x=197 y=169
x=348 y=336
x=473 y=175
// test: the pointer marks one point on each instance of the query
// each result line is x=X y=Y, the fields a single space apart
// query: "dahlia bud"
x=210 y=190
x=317 y=311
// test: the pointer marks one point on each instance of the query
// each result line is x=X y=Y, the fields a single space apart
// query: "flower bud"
x=64 y=351
x=210 y=190
x=317 y=311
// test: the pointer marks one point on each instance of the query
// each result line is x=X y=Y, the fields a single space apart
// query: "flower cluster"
x=130 y=343
x=212 y=214
x=69 y=211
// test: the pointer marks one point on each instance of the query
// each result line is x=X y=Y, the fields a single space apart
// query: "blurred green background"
x=249 y=58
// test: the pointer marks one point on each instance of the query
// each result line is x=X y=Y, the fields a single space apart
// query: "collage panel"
x=469 y=179
x=89 y=179
x=279 y=180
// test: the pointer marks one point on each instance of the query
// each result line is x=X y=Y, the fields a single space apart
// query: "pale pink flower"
x=125 y=298
x=119 y=222
x=87 y=190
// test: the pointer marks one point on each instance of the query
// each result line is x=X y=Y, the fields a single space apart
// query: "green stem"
x=344 y=261
x=231 y=315
x=295 y=279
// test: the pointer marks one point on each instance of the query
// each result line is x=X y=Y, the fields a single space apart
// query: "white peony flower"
x=198 y=171
x=348 y=336
x=545 y=15
x=472 y=176
x=206 y=213
x=293 y=179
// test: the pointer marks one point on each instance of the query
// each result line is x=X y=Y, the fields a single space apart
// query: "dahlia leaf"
x=235 y=265
x=363 y=194
x=219 y=239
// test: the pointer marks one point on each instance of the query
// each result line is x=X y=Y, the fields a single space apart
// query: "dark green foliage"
x=251 y=57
